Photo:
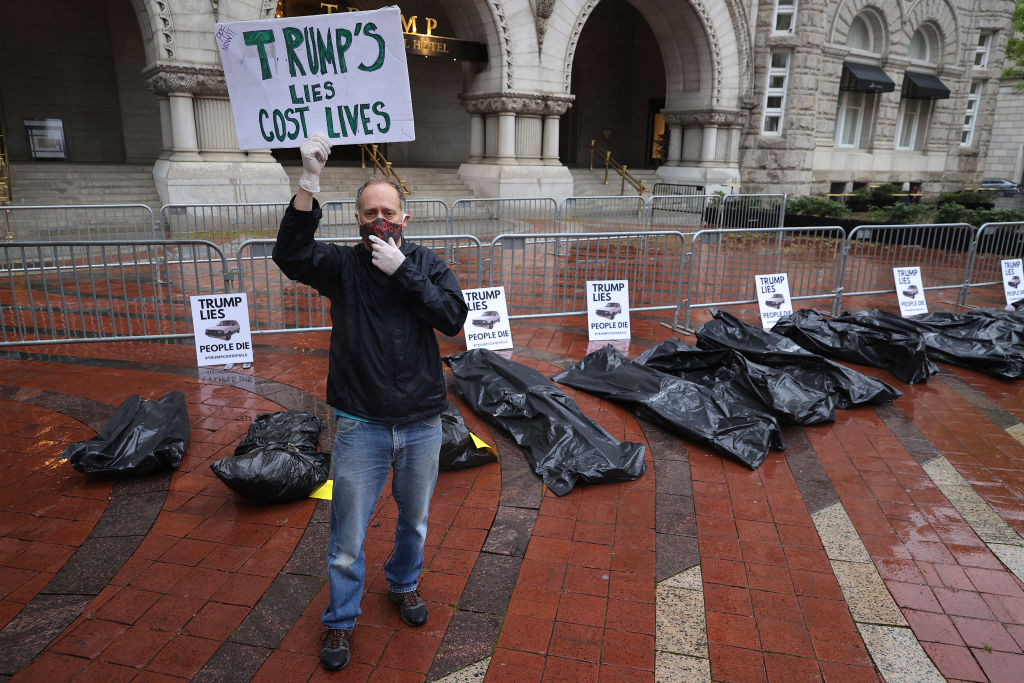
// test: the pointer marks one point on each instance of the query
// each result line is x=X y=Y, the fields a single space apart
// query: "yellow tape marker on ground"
x=324 y=492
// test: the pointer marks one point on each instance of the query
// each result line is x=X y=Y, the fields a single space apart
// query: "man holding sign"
x=384 y=381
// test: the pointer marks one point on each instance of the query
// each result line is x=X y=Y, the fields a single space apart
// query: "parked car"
x=1001 y=186
x=609 y=310
x=911 y=291
x=224 y=328
x=775 y=300
x=1013 y=282
x=487 y=319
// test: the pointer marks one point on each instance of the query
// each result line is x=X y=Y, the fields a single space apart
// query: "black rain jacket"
x=384 y=361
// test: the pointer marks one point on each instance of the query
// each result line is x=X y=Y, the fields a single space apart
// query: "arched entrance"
x=618 y=78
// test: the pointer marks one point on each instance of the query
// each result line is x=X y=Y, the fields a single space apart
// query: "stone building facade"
x=796 y=96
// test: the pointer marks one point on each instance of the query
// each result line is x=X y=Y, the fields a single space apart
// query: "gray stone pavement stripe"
x=892 y=645
x=1002 y=540
x=681 y=634
x=979 y=400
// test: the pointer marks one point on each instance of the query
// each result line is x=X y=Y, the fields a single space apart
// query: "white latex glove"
x=314 y=153
x=386 y=255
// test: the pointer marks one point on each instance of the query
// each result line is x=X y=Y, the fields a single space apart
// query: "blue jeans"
x=364 y=453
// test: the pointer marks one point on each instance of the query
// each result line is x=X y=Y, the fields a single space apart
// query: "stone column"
x=506 y=138
x=165 y=126
x=708 y=143
x=205 y=164
x=476 y=137
x=184 y=146
x=529 y=136
x=553 y=110
x=215 y=129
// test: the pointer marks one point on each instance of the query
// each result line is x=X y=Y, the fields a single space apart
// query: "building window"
x=912 y=122
x=860 y=35
x=850 y=118
x=785 y=16
x=981 y=52
x=971 y=115
x=775 y=93
x=925 y=45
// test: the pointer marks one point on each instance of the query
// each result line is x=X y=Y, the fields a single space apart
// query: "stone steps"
x=55 y=183
x=587 y=183
x=341 y=182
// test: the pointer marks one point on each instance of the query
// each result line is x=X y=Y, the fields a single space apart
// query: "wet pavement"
x=885 y=546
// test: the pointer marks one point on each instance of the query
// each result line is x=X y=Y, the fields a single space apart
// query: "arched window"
x=925 y=45
x=860 y=35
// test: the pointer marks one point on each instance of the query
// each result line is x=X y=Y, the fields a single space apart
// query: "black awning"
x=924 y=86
x=865 y=78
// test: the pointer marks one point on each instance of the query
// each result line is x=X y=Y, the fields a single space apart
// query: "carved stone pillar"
x=205 y=164
x=708 y=142
x=165 y=126
x=707 y=154
x=476 y=137
x=553 y=111
x=184 y=145
x=520 y=156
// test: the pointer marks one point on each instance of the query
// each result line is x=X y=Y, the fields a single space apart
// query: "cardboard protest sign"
x=608 y=309
x=1013 y=280
x=773 y=299
x=487 y=325
x=342 y=75
x=221 y=326
x=910 y=291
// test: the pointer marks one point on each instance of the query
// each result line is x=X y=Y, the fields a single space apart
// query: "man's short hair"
x=378 y=179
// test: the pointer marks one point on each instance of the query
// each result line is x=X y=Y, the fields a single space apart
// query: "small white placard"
x=487 y=325
x=910 y=290
x=608 y=309
x=343 y=75
x=773 y=298
x=1013 y=280
x=221 y=326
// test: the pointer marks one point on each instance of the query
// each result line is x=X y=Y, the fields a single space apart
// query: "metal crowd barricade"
x=994 y=243
x=942 y=251
x=487 y=218
x=109 y=290
x=277 y=303
x=750 y=211
x=676 y=188
x=226 y=224
x=81 y=222
x=724 y=263
x=545 y=274
x=686 y=212
x=600 y=214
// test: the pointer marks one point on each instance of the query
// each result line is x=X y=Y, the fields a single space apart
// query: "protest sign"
x=773 y=299
x=220 y=323
x=341 y=75
x=608 y=309
x=910 y=291
x=1013 y=280
x=487 y=325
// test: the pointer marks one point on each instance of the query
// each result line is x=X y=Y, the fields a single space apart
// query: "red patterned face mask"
x=382 y=228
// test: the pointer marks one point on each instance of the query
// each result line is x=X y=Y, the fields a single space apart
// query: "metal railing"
x=676 y=188
x=545 y=274
x=611 y=164
x=599 y=214
x=487 y=218
x=943 y=252
x=724 y=263
x=994 y=243
x=116 y=287
x=103 y=290
x=380 y=164
x=80 y=222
